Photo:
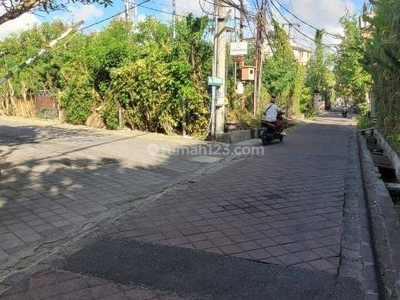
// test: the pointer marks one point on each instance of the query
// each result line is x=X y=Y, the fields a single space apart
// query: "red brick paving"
x=290 y=215
x=59 y=285
x=284 y=208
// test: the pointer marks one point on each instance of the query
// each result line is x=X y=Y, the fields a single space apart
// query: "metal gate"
x=46 y=104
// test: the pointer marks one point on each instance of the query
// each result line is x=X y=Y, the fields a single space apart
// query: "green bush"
x=110 y=115
x=245 y=118
x=364 y=115
x=306 y=103
x=77 y=102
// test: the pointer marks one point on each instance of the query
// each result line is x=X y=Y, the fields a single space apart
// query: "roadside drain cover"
x=206 y=159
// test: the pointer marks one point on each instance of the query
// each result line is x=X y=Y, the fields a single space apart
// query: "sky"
x=317 y=13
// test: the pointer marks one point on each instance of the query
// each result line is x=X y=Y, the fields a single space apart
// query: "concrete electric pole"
x=174 y=19
x=260 y=50
x=130 y=11
x=221 y=68
x=290 y=25
x=218 y=71
x=241 y=21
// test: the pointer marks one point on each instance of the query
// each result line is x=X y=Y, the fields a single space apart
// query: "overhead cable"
x=338 y=36
x=295 y=28
x=113 y=16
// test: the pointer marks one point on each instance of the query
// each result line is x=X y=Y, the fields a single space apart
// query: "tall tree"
x=282 y=74
x=168 y=80
x=382 y=61
x=352 y=81
x=317 y=71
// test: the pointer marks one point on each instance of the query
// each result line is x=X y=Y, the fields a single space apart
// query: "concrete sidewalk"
x=279 y=225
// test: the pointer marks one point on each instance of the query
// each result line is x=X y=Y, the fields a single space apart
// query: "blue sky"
x=318 y=13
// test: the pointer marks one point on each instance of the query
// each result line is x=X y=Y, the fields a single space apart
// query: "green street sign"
x=215 y=81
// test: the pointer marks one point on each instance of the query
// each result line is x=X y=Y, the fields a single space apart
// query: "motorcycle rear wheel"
x=266 y=141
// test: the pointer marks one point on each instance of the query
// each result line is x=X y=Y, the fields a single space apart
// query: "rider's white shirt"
x=271 y=113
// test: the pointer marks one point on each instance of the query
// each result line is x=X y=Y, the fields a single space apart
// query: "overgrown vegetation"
x=319 y=79
x=154 y=79
x=283 y=76
x=364 y=119
x=352 y=81
x=382 y=61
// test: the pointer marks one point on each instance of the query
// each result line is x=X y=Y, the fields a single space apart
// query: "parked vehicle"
x=269 y=132
x=344 y=112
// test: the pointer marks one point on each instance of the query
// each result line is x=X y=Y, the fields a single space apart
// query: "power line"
x=204 y=10
x=161 y=11
x=113 y=16
x=299 y=31
x=303 y=34
x=304 y=22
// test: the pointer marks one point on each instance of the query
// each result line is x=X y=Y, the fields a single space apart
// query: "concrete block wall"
x=389 y=152
x=233 y=136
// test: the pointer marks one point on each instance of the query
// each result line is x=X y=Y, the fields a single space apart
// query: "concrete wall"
x=389 y=152
x=233 y=136
x=384 y=225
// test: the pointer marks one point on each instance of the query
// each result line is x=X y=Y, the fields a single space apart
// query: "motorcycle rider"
x=345 y=110
x=271 y=112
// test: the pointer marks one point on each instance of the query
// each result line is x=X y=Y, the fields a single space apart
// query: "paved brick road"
x=282 y=208
x=57 y=182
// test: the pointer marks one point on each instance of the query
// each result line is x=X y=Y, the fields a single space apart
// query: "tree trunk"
x=12 y=99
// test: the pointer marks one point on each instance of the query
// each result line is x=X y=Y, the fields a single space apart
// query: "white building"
x=301 y=54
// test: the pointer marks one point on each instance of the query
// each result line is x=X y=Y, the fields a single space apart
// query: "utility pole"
x=241 y=38
x=130 y=17
x=183 y=102
x=241 y=21
x=260 y=38
x=218 y=70
x=214 y=70
x=221 y=68
x=130 y=11
x=174 y=19
x=290 y=25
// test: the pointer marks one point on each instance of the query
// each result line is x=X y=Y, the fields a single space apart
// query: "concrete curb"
x=356 y=259
x=384 y=225
x=233 y=136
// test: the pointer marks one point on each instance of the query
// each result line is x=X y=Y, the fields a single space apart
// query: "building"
x=301 y=54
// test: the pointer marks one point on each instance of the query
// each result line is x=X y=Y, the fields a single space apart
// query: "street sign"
x=239 y=48
x=237 y=58
x=215 y=81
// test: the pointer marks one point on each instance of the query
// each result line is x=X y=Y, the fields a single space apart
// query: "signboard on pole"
x=215 y=81
x=239 y=48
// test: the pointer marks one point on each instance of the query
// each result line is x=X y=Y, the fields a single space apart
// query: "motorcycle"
x=269 y=132
x=344 y=112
